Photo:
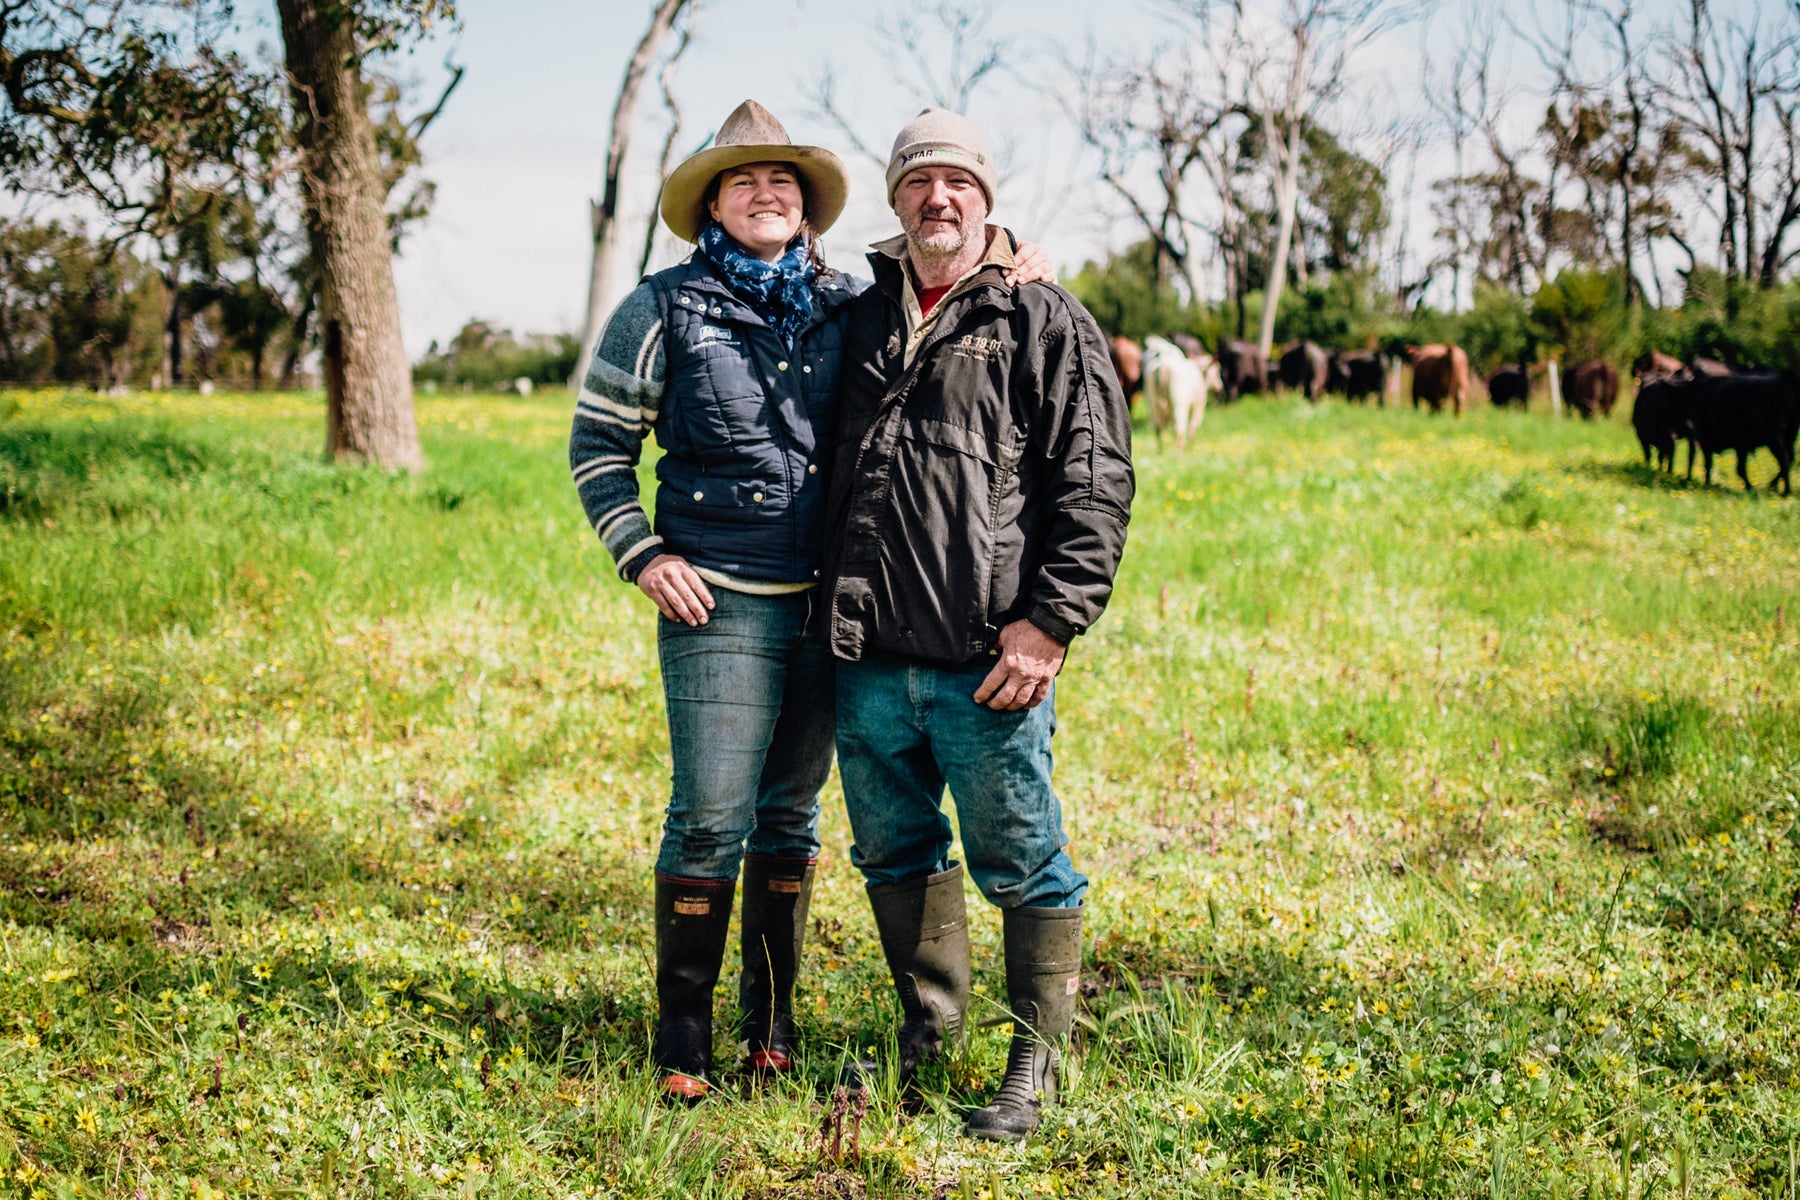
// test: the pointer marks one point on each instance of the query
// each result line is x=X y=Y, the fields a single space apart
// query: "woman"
x=732 y=358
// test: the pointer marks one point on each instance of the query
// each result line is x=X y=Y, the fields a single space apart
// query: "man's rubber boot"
x=691 y=920
x=925 y=935
x=777 y=892
x=1043 y=977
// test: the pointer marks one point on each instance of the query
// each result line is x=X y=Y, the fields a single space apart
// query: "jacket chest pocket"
x=965 y=383
x=713 y=398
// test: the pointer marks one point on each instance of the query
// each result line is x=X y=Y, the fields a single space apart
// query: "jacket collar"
x=888 y=259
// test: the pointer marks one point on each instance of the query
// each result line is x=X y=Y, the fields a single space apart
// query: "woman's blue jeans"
x=749 y=699
x=905 y=729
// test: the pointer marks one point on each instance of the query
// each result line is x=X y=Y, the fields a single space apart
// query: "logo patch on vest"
x=972 y=345
x=713 y=333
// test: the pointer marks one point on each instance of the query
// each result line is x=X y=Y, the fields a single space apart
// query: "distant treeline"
x=483 y=356
x=1577 y=315
x=75 y=309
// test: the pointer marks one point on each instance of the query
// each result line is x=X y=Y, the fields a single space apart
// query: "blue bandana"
x=781 y=292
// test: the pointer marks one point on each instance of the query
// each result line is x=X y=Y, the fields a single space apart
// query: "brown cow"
x=1591 y=387
x=1440 y=373
x=1128 y=364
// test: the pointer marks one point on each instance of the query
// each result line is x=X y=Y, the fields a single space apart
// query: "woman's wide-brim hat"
x=751 y=134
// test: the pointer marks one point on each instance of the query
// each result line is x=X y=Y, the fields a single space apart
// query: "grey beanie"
x=938 y=137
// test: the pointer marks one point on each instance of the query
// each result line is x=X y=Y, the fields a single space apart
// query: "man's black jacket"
x=989 y=481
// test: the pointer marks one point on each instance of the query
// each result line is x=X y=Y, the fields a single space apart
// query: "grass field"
x=1437 y=781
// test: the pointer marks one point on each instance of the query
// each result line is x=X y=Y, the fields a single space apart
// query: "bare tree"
x=1600 y=131
x=1127 y=113
x=1732 y=86
x=666 y=81
x=1294 y=74
x=949 y=53
x=605 y=213
x=1451 y=93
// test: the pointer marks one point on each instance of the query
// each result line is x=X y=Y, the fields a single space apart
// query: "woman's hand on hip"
x=679 y=593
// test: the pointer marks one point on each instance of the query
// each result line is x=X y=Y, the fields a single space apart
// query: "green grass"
x=1437 y=781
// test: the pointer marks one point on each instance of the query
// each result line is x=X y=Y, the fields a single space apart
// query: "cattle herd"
x=1715 y=409
x=1707 y=404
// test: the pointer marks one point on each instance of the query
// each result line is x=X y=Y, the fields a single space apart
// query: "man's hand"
x=1030 y=266
x=1029 y=661
x=677 y=590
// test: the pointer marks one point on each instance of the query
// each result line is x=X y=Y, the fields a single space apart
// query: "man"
x=977 y=515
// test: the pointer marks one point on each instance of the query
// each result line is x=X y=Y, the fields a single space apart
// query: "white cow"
x=1175 y=389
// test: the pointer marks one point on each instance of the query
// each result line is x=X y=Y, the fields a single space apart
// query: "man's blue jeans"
x=905 y=729
x=750 y=728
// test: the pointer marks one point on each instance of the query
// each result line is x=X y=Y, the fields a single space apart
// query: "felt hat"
x=751 y=134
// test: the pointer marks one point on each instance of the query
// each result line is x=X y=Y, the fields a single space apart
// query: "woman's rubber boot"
x=925 y=935
x=1043 y=977
x=777 y=892
x=691 y=920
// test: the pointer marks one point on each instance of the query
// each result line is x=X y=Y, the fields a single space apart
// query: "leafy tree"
x=1497 y=330
x=483 y=355
x=73 y=310
x=1129 y=295
x=135 y=108
x=1582 y=314
x=132 y=104
x=1343 y=210
x=1346 y=311
x=1733 y=320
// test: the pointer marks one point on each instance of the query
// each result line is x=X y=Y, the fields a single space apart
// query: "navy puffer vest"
x=745 y=428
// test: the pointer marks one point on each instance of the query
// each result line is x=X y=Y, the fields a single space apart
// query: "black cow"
x=1359 y=376
x=1307 y=367
x=1242 y=368
x=1743 y=413
x=1657 y=415
x=1509 y=385
x=1654 y=364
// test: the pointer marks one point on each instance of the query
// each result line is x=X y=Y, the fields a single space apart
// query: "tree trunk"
x=1287 y=194
x=297 y=347
x=369 y=401
x=173 y=327
x=604 y=213
x=1628 y=165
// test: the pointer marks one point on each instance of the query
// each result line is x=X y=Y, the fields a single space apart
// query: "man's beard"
x=944 y=243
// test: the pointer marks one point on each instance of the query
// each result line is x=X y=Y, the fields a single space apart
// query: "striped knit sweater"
x=617 y=407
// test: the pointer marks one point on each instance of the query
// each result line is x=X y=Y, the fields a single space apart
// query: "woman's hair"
x=815 y=257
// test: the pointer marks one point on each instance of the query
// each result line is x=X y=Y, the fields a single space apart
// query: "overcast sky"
x=517 y=154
